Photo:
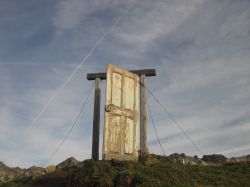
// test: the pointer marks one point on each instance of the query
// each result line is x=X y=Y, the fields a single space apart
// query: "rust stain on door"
x=120 y=140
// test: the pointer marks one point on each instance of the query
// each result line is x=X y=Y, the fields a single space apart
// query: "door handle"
x=108 y=108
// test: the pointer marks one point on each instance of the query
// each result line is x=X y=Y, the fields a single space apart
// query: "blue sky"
x=200 y=48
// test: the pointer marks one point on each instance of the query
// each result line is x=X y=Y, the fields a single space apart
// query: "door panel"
x=120 y=140
x=116 y=89
x=129 y=93
x=129 y=143
x=115 y=134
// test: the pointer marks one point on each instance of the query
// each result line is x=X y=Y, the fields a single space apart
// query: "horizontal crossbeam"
x=102 y=76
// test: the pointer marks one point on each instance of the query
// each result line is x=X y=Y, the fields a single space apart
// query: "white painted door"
x=121 y=115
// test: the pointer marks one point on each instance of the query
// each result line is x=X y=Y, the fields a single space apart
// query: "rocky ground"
x=155 y=171
x=206 y=159
x=8 y=174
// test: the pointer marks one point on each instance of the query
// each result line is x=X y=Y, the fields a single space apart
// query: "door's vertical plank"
x=123 y=117
x=123 y=133
x=108 y=98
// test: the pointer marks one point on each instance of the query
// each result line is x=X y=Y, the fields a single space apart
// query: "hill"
x=155 y=171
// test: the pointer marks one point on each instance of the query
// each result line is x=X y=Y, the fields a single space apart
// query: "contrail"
x=78 y=67
x=71 y=76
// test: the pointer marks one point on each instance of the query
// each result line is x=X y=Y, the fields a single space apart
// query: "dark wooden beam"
x=96 y=120
x=102 y=76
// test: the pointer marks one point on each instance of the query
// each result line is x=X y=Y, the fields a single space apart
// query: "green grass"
x=156 y=171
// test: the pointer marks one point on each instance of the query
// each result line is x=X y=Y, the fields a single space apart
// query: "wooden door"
x=121 y=115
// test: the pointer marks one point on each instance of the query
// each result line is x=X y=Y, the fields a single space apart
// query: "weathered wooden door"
x=121 y=115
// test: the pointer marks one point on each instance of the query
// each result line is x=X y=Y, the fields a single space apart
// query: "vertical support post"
x=96 y=120
x=143 y=117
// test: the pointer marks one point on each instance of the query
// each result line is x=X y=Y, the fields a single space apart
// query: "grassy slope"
x=156 y=171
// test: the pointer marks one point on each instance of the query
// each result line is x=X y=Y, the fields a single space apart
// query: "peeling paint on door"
x=120 y=140
x=129 y=136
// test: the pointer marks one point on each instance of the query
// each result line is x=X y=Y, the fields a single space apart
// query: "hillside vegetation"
x=155 y=171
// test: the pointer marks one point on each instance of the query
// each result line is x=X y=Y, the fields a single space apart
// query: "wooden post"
x=143 y=118
x=96 y=120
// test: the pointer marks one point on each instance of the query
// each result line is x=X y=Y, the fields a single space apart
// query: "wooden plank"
x=102 y=76
x=96 y=120
x=143 y=118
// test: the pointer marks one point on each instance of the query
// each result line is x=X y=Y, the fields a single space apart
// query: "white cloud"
x=70 y=13
x=236 y=149
x=5 y=120
x=154 y=20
